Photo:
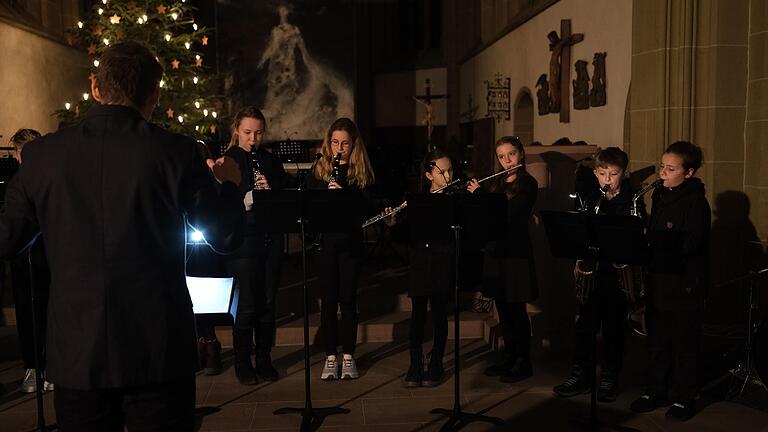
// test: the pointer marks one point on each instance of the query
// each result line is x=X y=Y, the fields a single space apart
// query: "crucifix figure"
x=426 y=100
x=560 y=68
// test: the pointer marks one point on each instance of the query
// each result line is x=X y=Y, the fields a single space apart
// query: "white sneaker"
x=331 y=369
x=29 y=384
x=349 y=368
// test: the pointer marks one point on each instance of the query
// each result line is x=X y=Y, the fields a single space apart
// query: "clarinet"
x=255 y=167
x=335 y=172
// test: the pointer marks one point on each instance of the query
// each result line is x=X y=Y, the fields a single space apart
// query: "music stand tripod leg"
x=458 y=419
x=311 y=418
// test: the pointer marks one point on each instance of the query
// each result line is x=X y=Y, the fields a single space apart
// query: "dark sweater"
x=678 y=233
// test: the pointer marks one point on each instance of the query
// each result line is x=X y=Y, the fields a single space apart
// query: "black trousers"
x=673 y=349
x=606 y=309
x=162 y=407
x=419 y=320
x=22 y=298
x=515 y=328
x=258 y=278
x=338 y=271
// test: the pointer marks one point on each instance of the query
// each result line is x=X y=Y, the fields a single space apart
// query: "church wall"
x=523 y=55
x=394 y=104
x=37 y=76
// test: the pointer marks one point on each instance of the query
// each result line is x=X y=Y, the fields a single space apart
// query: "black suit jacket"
x=110 y=196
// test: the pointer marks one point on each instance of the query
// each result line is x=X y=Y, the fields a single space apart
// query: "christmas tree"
x=168 y=28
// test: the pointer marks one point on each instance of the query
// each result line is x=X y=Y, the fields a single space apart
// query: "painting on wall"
x=291 y=58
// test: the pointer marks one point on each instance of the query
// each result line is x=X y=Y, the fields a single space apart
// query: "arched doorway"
x=523 y=117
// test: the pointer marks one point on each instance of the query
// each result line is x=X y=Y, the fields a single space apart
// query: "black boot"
x=435 y=371
x=608 y=390
x=577 y=383
x=416 y=370
x=264 y=366
x=521 y=370
x=501 y=368
x=241 y=339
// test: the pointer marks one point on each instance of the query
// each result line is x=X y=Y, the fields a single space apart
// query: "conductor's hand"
x=473 y=185
x=334 y=185
x=261 y=182
x=226 y=170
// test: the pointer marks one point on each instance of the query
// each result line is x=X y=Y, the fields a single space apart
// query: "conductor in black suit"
x=110 y=196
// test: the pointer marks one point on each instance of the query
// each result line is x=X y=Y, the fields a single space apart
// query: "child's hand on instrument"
x=389 y=220
x=473 y=185
x=261 y=182
x=334 y=185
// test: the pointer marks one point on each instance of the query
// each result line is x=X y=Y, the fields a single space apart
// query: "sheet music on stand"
x=296 y=151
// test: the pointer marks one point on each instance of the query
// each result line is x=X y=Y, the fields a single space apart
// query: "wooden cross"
x=560 y=68
x=426 y=100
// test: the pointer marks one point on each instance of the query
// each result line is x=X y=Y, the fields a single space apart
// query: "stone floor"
x=379 y=402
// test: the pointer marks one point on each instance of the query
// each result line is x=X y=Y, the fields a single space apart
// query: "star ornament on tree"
x=199 y=61
x=161 y=9
x=213 y=129
x=205 y=40
x=92 y=49
x=175 y=64
x=169 y=113
x=114 y=19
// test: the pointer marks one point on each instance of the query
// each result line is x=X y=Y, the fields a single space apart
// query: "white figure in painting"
x=302 y=95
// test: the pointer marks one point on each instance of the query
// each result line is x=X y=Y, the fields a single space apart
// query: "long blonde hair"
x=246 y=112
x=360 y=169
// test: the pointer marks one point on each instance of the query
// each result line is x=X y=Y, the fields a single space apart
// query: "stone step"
x=386 y=328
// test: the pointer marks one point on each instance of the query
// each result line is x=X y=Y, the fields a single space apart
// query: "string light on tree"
x=86 y=96
x=67 y=106
x=174 y=38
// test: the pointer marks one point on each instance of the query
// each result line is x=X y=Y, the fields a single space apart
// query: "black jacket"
x=516 y=241
x=109 y=196
x=678 y=233
x=271 y=167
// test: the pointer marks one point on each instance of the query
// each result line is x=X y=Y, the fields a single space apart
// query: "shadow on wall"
x=735 y=251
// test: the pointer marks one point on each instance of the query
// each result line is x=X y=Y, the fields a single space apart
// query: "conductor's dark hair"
x=612 y=156
x=128 y=73
x=690 y=153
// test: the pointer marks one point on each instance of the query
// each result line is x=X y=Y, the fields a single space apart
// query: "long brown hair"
x=498 y=184
x=360 y=169
x=246 y=112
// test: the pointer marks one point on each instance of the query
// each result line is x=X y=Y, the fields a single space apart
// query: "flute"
x=506 y=171
x=402 y=206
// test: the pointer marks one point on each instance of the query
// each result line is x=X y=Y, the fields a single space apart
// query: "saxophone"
x=583 y=271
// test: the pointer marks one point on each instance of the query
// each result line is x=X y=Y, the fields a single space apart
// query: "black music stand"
x=596 y=237
x=433 y=217
x=37 y=345
x=295 y=211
